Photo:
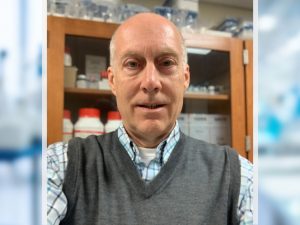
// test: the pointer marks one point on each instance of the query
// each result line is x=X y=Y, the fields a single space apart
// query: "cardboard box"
x=93 y=66
x=70 y=73
x=199 y=126
x=183 y=122
x=219 y=129
x=191 y=5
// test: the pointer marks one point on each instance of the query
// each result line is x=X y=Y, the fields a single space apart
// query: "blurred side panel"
x=20 y=111
x=279 y=112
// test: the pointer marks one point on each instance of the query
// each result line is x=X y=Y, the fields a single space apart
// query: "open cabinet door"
x=249 y=99
x=55 y=79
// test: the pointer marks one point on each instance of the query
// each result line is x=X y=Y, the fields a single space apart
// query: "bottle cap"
x=114 y=115
x=104 y=74
x=81 y=77
x=67 y=50
x=89 y=112
x=67 y=114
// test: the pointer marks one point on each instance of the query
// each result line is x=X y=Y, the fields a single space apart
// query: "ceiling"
x=245 y=4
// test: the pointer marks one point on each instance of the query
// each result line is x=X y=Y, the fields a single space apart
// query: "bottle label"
x=67 y=137
x=89 y=131
x=86 y=133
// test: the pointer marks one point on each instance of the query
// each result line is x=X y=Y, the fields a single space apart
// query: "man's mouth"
x=151 y=106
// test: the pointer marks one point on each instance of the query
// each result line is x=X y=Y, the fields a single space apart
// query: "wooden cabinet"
x=248 y=45
x=227 y=51
x=57 y=30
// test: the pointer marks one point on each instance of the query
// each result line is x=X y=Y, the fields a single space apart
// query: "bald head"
x=147 y=24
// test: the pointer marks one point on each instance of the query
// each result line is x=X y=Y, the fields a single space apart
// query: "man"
x=147 y=172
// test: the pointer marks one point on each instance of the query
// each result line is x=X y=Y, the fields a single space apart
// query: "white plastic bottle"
x=113 y=121
x=67 y=126
x=103 y=82
x=88 y=123
x=67 y=57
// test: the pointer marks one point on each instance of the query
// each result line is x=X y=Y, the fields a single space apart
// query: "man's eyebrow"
x=163 y=52
x=168 y=51
x=130 y=54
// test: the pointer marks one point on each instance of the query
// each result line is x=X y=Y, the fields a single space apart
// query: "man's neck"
x=148 y=141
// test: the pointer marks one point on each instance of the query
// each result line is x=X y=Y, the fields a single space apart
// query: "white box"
x=199 y=126
x=183 y=122
x=191 y=5
x=93 y=66
x=70 y=73
x=219 y=129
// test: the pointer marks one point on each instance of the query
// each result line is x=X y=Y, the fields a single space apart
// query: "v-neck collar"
x=163 y=150
x=130 y=173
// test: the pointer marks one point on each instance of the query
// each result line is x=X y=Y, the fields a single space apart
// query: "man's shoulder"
x=212 y=153
x=92 y=138
x=92 y=142
x=56 y=149
x=60 y=148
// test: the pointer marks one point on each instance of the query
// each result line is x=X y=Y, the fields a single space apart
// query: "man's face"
x=149 y=79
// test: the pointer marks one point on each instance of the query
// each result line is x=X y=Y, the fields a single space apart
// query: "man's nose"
x=151 y=82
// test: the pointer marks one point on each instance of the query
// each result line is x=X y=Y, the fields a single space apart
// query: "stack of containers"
x=199 y=127
x=88 y=123
x=213 y=128
x=113 y=121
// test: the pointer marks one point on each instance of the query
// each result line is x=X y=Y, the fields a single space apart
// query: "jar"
x=67 y=126
x=103 y=82
x=113 y=121
x=81 y=81
x=88 y=123
x=211 y=90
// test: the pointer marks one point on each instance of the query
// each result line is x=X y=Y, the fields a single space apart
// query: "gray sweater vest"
x=199 y=184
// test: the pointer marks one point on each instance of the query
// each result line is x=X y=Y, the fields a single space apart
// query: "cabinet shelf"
x=87 y=91
x=189 y=95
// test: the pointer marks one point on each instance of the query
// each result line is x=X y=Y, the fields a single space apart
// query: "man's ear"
x=186 y=76
x=111 y=79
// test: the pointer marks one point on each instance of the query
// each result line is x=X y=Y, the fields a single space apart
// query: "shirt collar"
x=163 y=150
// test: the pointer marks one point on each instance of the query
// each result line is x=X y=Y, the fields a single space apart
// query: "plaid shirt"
x=57 y=163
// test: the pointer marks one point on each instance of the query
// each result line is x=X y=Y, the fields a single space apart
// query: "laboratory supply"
x=81 y=81
x=88 y=123
x=70 y=73
x=246 y=30
x=67 y=57
x=67 y=126
x=103 y=83
x=211 y=90
x=113 y=121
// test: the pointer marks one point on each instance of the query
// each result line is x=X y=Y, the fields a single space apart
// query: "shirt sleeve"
x=56 y=167
x=245 y=203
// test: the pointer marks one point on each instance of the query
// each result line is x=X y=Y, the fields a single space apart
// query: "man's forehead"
x=150 y=49
x=147 y=41
x=145 y=21
x=137 y=29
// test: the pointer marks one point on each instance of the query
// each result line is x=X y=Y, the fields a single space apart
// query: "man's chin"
x=153 y=129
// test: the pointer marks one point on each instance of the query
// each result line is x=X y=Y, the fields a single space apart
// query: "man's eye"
x=132 y=64
x=167 y=63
